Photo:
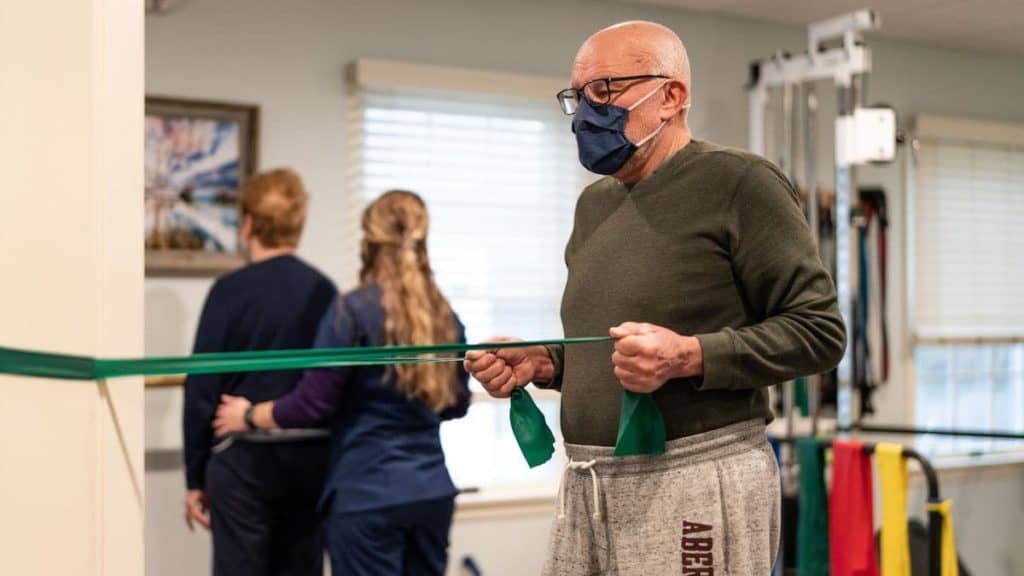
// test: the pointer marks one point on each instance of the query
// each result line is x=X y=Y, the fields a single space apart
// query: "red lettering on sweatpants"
x=696 y=560
x=696 y=544
x=694 y=527
x=697 y=557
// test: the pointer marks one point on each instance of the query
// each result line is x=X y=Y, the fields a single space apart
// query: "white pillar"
x=71 y=264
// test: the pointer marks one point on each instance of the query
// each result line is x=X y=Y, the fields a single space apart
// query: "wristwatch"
x=248 y=417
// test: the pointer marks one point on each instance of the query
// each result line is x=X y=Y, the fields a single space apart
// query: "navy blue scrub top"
x=386 y=447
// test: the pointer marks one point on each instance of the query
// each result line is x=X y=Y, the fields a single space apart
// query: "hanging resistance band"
x=641 y=428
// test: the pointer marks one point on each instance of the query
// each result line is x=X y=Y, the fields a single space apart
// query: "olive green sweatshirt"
x=713 y=244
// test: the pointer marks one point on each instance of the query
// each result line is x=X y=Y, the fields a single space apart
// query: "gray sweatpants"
x=708 y=506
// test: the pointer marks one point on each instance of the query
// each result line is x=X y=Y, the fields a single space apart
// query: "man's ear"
x=676 y=98
x=245 y=232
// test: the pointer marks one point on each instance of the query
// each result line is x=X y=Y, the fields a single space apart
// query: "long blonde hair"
x=394 y=254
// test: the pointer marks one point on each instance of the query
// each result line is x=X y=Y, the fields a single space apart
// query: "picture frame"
x=197 y=155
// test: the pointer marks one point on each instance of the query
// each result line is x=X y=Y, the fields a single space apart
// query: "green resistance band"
x=641 y=428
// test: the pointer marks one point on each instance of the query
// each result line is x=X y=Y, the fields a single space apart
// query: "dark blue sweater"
x=275 y=304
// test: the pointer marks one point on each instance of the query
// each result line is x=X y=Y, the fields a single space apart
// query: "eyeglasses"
x=597 y=92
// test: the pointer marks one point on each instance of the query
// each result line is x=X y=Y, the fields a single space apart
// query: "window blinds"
x=500 y=178
x=968 y=245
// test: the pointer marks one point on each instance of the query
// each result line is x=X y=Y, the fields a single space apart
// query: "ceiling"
x=983 y=25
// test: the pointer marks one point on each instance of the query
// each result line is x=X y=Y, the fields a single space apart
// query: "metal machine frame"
x=836 y=52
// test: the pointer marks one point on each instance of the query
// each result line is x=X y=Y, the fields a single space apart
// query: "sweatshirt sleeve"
x=557 y=352
x=202 y=391
x=463 y=395
x=782 y=279
x=319 y=390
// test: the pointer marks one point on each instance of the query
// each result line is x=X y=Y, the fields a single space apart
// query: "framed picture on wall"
x=197 y=155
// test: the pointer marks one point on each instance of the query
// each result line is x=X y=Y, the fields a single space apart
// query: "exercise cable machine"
x=836 y=52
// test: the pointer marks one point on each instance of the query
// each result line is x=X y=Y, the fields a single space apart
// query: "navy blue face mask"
x=601 y=135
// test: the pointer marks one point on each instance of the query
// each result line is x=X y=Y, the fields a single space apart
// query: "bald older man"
x=698 y=259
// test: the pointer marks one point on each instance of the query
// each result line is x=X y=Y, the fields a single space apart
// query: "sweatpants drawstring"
x=588 y=465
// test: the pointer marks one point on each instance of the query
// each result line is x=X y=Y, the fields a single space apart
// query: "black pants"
x=262 y=499
x=406 y=540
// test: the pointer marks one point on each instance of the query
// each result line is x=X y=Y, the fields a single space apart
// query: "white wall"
x=71 y=230
x=289 y=57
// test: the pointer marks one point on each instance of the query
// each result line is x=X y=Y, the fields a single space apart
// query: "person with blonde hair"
x=388 y=500
x=259 y=497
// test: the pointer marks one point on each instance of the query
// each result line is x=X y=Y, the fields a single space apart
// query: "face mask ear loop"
x=645 y=98
x=652 y=134
x=663 y=122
